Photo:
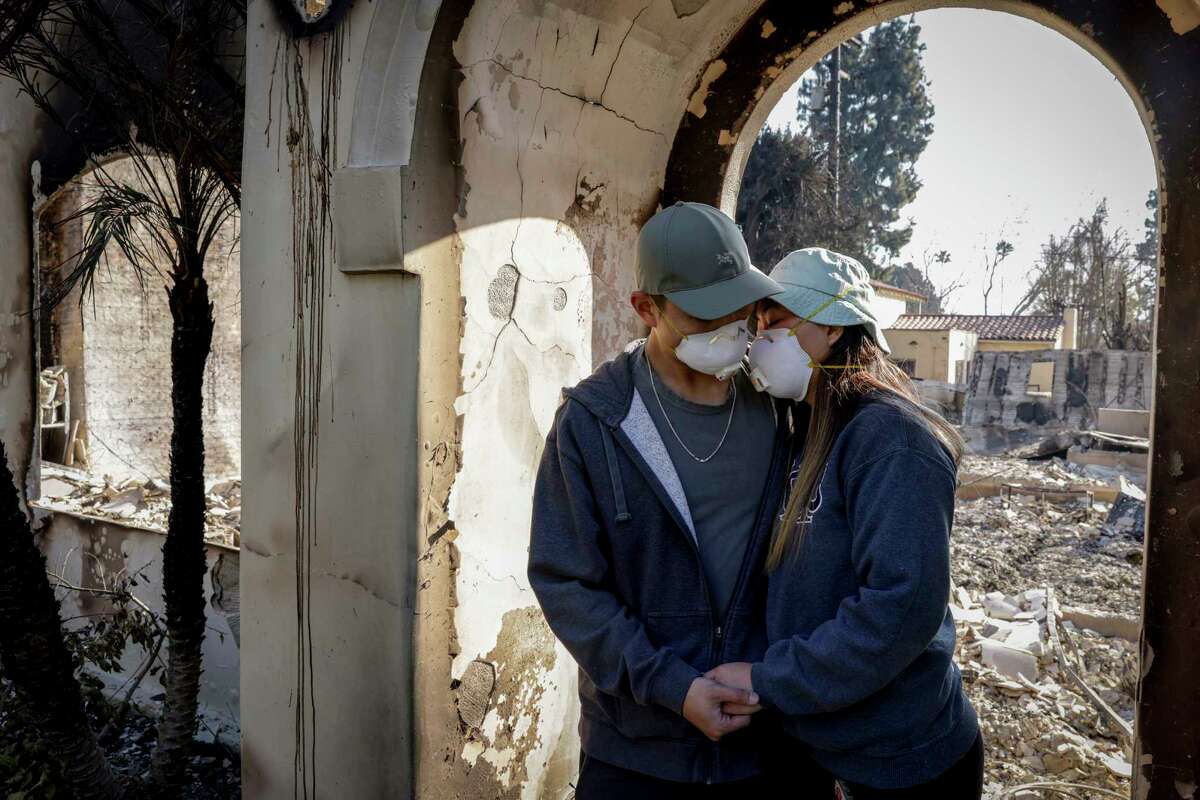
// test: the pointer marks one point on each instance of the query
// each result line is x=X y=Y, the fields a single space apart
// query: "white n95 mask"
x=778 y=364
x=718 y=353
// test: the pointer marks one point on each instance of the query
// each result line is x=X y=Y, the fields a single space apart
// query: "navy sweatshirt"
x=614 y=563
x=862 y=641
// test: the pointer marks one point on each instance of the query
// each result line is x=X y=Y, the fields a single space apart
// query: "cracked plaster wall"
x=566 y=111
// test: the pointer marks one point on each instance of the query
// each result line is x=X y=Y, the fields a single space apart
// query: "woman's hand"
x=737 y=675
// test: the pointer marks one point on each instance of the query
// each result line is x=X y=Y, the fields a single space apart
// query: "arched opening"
x=105 y=353
x=755 y=72
x=104 y=426
x=917 y=147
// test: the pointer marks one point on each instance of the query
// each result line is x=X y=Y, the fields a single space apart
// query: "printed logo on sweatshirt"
x=814 y=502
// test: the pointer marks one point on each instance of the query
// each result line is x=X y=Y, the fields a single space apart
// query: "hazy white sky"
x=1030 y=131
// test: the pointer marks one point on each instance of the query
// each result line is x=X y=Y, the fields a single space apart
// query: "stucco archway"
x=543 y=136
x=757 y=69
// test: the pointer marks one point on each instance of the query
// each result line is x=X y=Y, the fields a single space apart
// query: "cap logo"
x=726 y=259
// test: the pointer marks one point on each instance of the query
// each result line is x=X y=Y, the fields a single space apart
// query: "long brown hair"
x=858 y=367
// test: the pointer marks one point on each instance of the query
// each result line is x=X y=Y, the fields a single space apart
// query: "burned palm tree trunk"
x=35 y=656
x=183 y=554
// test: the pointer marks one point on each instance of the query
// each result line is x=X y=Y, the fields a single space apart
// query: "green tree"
x=785 y=189
x=886 y=122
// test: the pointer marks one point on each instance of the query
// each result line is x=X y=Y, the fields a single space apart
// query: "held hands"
x=736 y=674
x=718 y=709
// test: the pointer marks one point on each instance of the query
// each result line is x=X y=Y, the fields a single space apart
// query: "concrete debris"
x=1124 y=421
x=138 y=502
x=126 y=502
x=1041 y=723
x=1108 y=453
x=1104 y=623
x=1010 y=662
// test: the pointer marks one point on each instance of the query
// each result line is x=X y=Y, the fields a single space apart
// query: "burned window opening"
x=104 y=389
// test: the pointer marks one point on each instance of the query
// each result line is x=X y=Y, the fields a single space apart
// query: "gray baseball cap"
x=696 y=256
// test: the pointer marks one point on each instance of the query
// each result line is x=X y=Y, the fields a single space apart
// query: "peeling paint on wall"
x=696 y=105
x=497 y=751
x=685 y=8
x=1184 y=14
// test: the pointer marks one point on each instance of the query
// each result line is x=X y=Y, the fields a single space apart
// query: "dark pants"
x=600 y=781
x=963 y=781
x=794 y=777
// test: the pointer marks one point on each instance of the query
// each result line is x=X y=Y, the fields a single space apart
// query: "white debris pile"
x=1054 y=693
x=143 y=503
x=1050 y=473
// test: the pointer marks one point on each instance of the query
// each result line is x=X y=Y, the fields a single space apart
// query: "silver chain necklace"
x=688 y=450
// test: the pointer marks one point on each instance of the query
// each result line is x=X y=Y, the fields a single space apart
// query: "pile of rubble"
x=142 y=503
x=1047 y=600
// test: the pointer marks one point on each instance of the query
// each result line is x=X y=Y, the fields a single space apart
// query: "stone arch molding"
x=746 y=93
x=368 y=190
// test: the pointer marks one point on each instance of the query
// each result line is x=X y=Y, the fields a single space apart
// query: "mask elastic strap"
x=819 y=309
x=792 y=330
x=662 y=314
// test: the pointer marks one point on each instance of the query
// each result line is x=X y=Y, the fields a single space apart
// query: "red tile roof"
x=902 y=294
x=995 y=326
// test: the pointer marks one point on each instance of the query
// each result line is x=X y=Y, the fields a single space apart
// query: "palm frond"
x=121 y=216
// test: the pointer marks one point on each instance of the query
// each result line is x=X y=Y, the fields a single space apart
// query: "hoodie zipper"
x=718 y=627
x=719 y=631
x=738 y=587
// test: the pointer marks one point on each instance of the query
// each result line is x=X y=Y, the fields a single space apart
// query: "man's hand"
x=737 y=675
x=702 y=707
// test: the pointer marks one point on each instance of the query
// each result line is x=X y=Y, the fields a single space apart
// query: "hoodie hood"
x=608 y=392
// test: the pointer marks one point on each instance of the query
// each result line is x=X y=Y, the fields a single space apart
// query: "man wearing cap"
x=651 y=514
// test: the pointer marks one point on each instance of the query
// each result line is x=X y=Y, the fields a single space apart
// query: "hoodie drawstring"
x=614 y=473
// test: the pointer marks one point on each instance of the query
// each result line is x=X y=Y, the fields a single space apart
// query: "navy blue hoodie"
x=615 y=567
x=862 y=642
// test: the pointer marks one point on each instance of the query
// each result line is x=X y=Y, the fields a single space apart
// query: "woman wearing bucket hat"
x=861 y=657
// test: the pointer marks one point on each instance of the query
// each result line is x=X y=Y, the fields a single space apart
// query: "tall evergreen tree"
x=886 y=122
x=785 y=190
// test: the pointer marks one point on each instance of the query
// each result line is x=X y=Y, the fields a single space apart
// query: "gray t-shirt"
x=724 y=493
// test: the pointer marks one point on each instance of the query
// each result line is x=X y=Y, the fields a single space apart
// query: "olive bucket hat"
x=695 y=255
x=828 y=288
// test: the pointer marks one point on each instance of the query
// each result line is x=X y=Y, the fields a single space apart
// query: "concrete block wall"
x=999 y=413
x=116 y=551
x=117 y=348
